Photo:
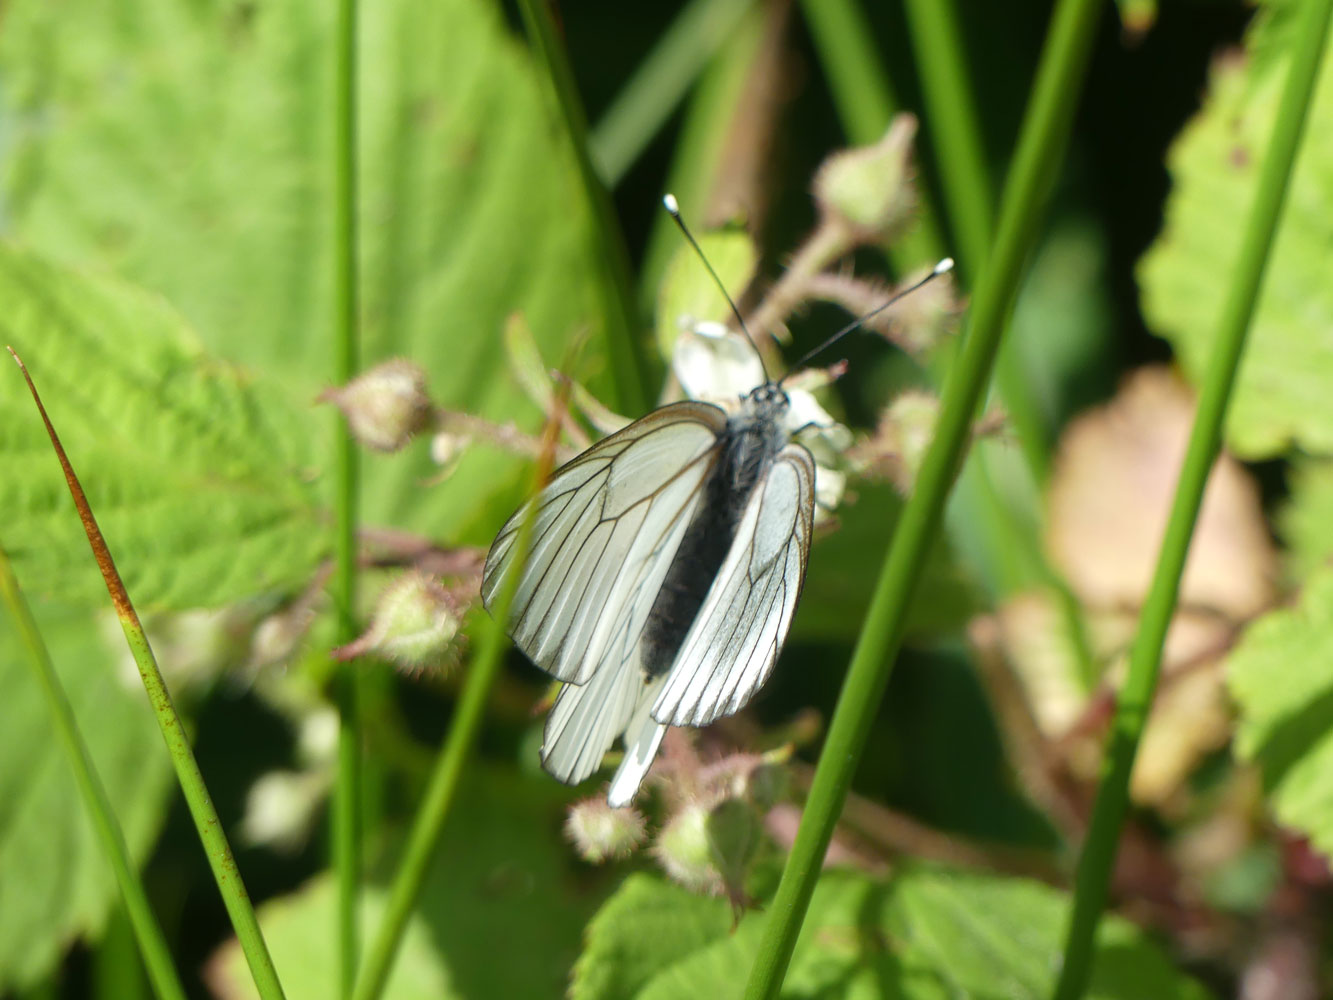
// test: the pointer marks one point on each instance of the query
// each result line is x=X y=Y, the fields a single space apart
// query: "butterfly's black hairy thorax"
x=746 y=448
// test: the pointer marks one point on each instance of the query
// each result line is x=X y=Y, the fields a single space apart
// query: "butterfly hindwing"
x=733 y=643
x=607 y=526
x=587 y=718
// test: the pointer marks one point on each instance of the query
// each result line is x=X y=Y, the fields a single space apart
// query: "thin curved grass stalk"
x=660 y=83
x=625 y=344
x=444 y=779
x=1136 y=696
x=1040 y=147
x=147 y=932
x=956 y=132
x=220 y=858
x=345 y=814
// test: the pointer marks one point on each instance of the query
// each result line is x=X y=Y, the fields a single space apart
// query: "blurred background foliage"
x=164 y=185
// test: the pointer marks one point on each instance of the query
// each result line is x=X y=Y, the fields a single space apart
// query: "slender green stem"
x=709 y=120
x=1135 y=698
x=346 y=808
x=206 y=821
x=1040 y=147
x=625 y=334
x=660 y=84
x=954 y=126
x=153 y=946
x=448 y=771
x=864 y=98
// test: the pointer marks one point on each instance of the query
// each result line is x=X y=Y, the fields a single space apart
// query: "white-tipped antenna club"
x=943 y=267
x=673 y=209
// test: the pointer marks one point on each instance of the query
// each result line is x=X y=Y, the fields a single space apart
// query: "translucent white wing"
x=587 y=718
x=607 y=526
x=643 y=736
x=730 y=649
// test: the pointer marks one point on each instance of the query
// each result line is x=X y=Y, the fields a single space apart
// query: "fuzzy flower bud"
x=385 y=406
x=415 y=625
x=869 y=189
x=601 y=833
x=899 y=444
x=683 y=851
x=708 y=846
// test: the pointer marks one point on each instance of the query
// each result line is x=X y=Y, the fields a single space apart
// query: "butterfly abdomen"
x=745 y=452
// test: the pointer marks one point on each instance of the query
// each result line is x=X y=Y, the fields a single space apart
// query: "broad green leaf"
x=988 y=938
x=187 y=146
x=1281 y=675
x=832 y=948
x=1306 y=519
x=645 y=927
x=195 y=471
x=1282 y=399
x=55 y=883
x=924 y=934
x=298 y=930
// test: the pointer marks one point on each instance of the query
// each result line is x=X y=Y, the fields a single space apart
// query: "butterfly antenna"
x=673 y=209
x=943 y=267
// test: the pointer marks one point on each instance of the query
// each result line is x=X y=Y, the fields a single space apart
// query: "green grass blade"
x=1135 y=699
x=152 y=945
x=864 y=98
x=660 y=84
x=865 y=102
x=346 y=805
x=862 y=92
x=444 y=779
x=1040 y=147
x=954 y=126
x=955 y=130
x=220 y=858
x=625 y=334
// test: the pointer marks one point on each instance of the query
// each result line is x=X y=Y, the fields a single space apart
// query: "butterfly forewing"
x=607 y=526
x=734 y=641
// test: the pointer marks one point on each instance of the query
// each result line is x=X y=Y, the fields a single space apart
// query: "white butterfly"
x=665 y=566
